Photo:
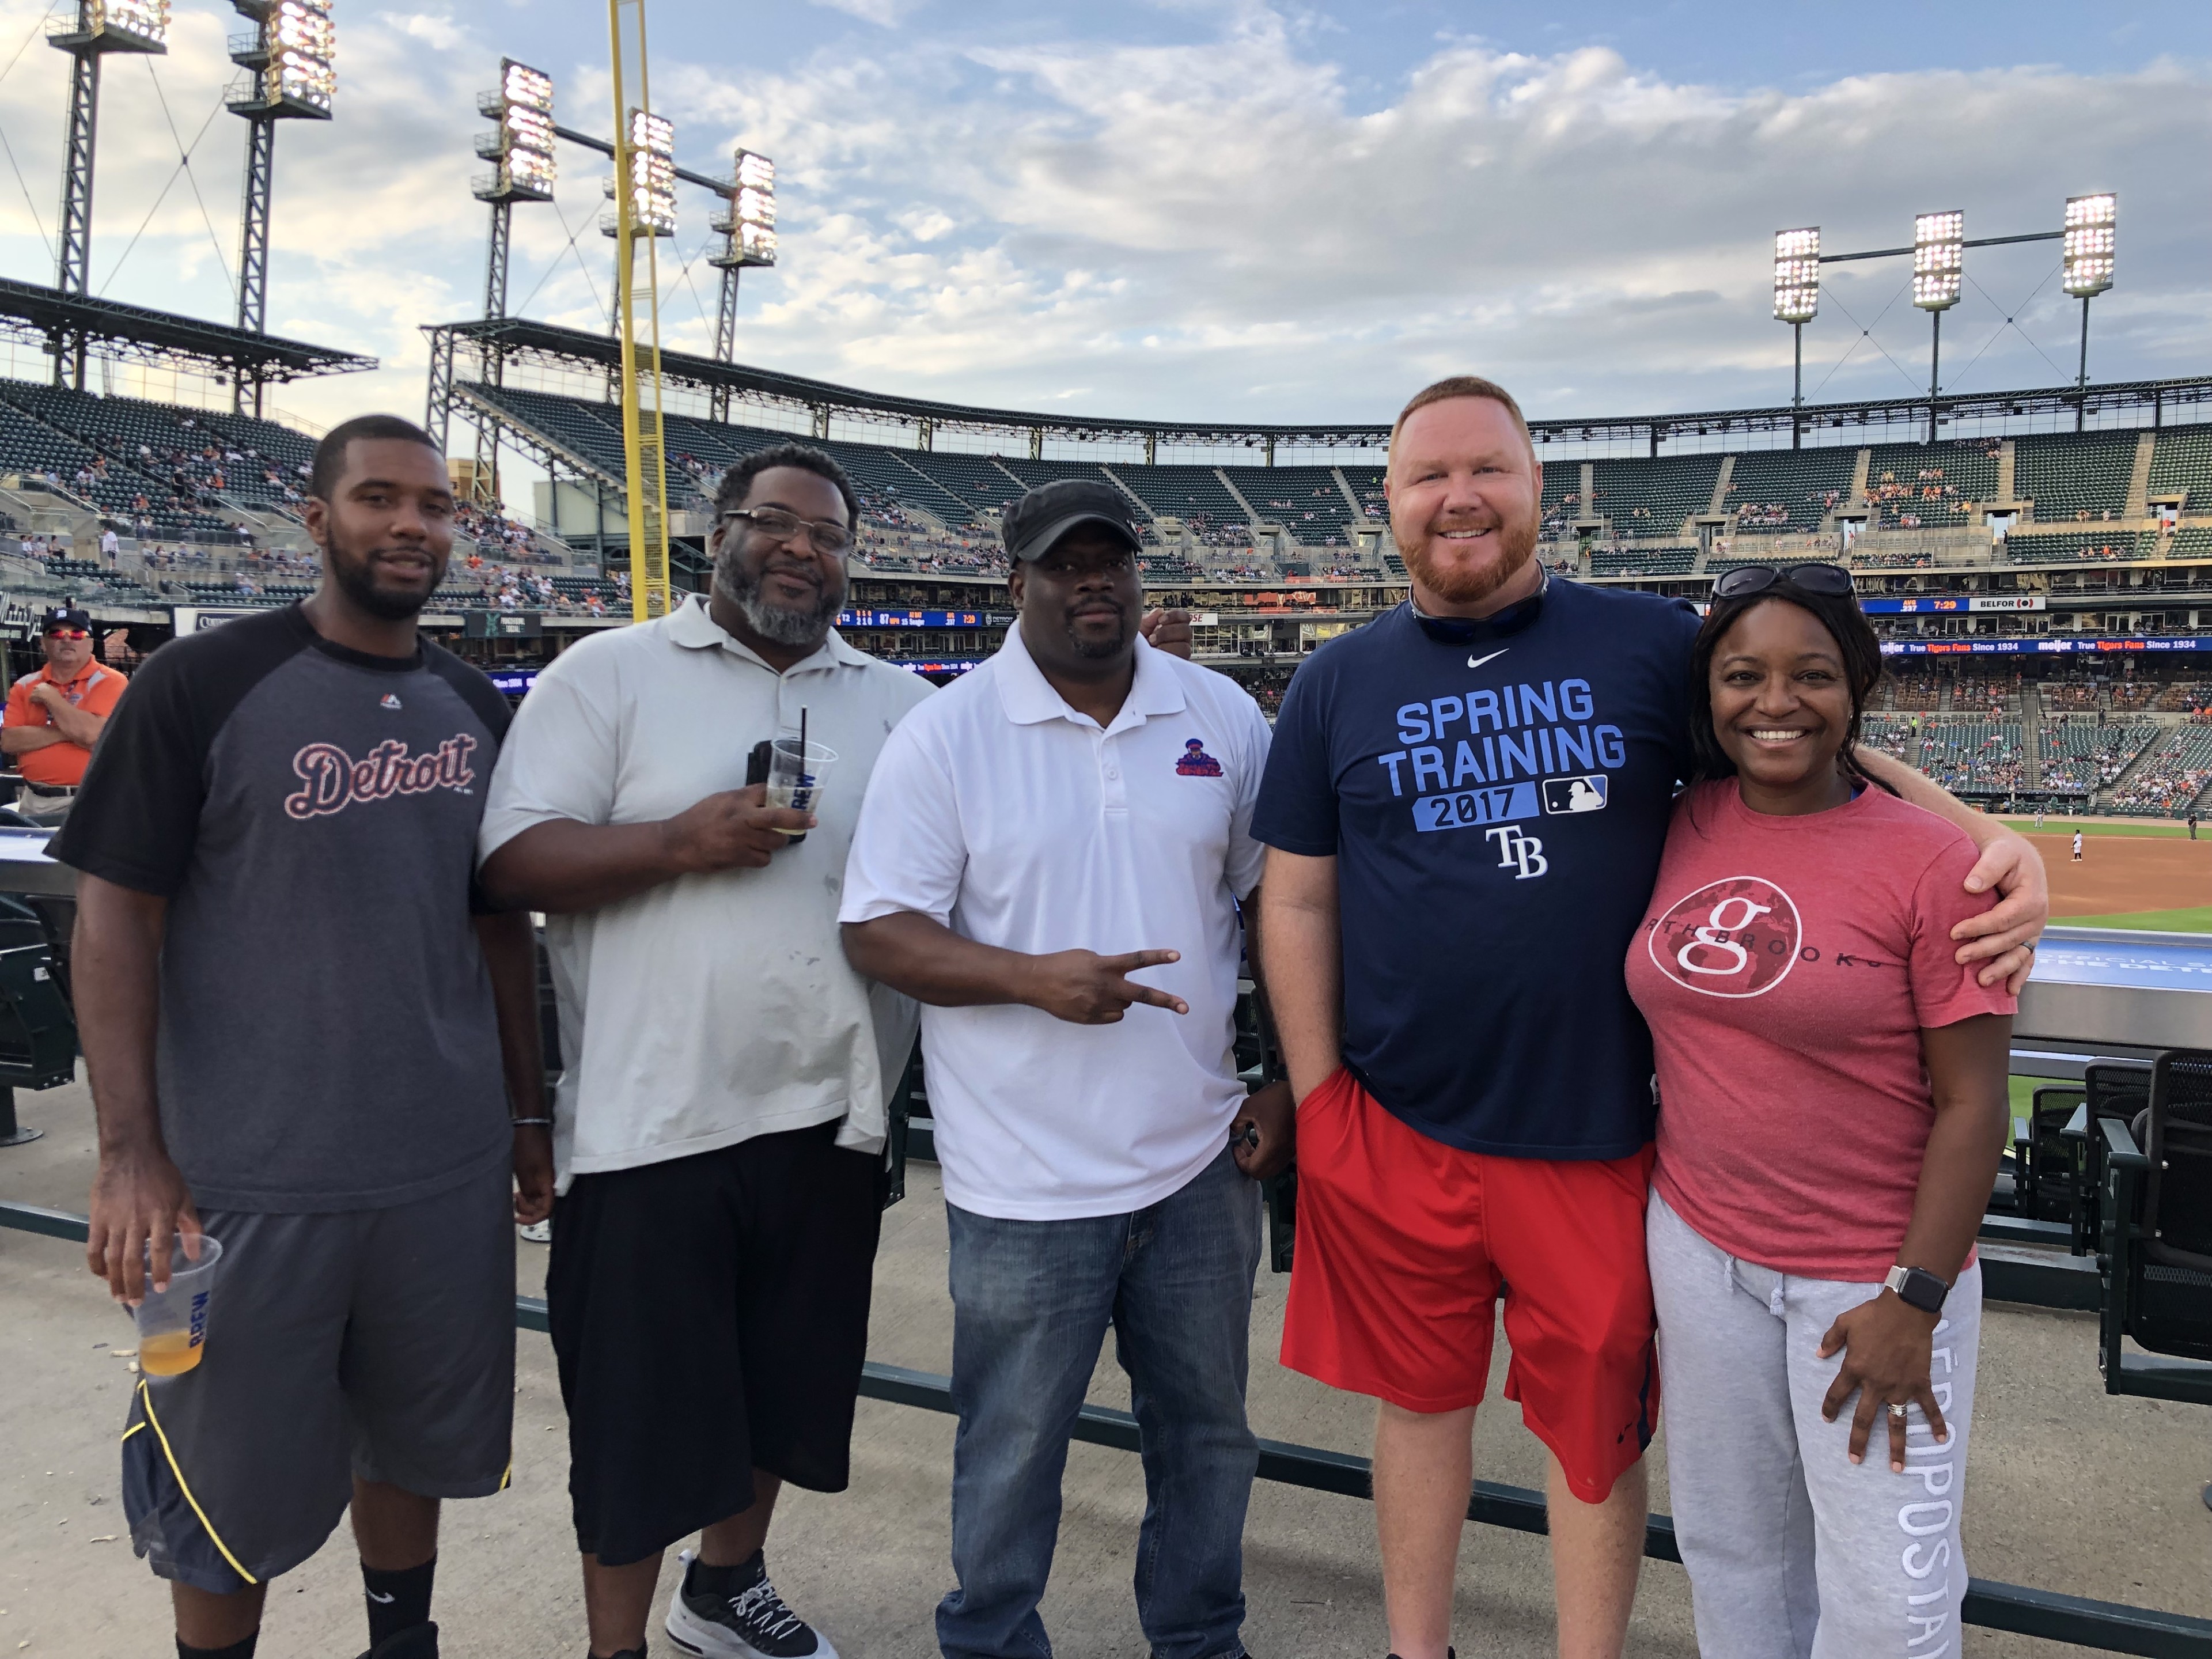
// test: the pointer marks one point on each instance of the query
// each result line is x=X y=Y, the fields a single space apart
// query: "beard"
x=1462 y=585
x=356 y=579
x=779 y=624
x=1098 y=650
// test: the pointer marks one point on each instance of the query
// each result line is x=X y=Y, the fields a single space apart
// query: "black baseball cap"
x=64 y=615
x=1034 y=525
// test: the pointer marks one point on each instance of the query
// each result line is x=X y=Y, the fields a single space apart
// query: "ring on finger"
x=1897 y=1409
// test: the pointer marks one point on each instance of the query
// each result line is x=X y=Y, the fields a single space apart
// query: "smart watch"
x=1918 y=1288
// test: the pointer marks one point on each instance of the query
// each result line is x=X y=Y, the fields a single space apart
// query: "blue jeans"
x=1031 y=1301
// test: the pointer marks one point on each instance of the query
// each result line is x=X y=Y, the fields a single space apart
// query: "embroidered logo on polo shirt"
x=1195 y=762
x=390 y=700
x=1738 y=937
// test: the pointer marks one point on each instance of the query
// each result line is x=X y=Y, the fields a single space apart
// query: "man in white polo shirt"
x=1072 y=815
x=719 y=1122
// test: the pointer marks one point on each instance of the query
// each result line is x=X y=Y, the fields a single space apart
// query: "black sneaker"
x=416 y=1642
x=749 y=1623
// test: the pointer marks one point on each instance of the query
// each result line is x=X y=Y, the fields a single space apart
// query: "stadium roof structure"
x=521 y=341
x=140 y=332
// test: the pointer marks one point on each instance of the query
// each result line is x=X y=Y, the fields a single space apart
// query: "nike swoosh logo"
x=1477 y=662
x=381 y=1600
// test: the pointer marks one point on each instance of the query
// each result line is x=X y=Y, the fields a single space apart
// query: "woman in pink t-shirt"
x=1832 y=1111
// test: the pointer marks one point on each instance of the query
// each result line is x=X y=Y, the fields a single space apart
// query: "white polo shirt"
x=712 y=1008
x=1001 y=812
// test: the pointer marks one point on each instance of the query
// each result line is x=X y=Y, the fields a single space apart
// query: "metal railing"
x=2104 y=1626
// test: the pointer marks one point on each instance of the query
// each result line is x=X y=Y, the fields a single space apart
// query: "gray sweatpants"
x=1793 y=1551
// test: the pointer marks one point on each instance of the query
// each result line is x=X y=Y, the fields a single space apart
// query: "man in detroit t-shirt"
x=302 y=1041
x=1465 y=806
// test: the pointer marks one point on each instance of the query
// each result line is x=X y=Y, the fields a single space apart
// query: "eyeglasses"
x=68 y=633
x=1832 y=580
x=779 y=526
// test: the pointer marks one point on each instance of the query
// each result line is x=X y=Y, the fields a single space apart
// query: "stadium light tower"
x=2091 y=223
x=1796 y=303
x=286 y=57
x=89 y=30
x=748 y=228
x=522 y=145
x=1939 y=263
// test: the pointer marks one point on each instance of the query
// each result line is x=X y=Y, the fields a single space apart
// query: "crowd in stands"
x=2170 y=781
x=509 y=538
x=1975 y=758
x=1754 y=516
x=2079 y=757
x=1209 y=531
x=1896 y=503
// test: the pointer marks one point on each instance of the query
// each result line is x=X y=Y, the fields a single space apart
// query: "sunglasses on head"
x=68 y=633
x=1830 y=580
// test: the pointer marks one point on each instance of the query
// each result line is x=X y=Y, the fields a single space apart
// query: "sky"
x=1200 y=210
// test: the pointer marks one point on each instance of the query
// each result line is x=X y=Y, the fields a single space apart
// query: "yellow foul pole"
x=645 y=476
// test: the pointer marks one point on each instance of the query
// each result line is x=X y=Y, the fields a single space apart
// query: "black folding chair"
x=2157 y=1260
x=2046 y=1161
x=2115 y=1091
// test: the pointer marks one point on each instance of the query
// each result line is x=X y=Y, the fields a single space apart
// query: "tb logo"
x=1516 y=850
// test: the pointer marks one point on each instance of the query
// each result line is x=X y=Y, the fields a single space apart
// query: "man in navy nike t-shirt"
x=1464 y=806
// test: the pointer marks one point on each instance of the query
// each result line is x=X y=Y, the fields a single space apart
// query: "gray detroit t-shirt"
x=328 y=1039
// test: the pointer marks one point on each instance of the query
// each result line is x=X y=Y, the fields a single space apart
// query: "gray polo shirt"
x=713 y=1008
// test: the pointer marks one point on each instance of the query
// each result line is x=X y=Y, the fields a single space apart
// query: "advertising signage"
x=870 y=617
x=1929 y=605
x=2081 y=645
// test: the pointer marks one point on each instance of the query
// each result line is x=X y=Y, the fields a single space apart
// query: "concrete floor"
x=2069 y=1489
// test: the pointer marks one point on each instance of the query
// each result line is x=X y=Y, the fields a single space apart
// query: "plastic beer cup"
x=796 y=772
x=173 y=1323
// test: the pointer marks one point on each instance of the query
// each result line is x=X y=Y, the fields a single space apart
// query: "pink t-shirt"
x=1786 y=966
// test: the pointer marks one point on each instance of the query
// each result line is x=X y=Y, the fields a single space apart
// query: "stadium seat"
x=2047 y=1162
x=1303 y=500
x=1653 y=497
x=2114 y=1091
x=2068 y=473
x=2181 y=465
x=2157 y=1237
x=1934 y=485
x=1789 y=489
x=1642 y=560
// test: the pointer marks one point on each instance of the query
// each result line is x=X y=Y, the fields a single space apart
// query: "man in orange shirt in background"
x=55 y=716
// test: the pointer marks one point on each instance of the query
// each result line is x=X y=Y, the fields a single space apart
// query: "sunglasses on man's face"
x=68 y=633
x=1830 y=580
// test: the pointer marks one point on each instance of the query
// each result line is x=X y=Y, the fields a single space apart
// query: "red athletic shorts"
x=1404 y=1246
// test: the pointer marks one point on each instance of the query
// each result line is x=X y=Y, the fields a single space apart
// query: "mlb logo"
x=1583 y=795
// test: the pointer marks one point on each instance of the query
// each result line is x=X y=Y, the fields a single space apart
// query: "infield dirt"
x=2120 y=873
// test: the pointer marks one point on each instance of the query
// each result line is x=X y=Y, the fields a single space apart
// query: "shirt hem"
x=1604 y=1151
x=636 y=1157
x=992 y=1207
x=208 y=1196
x=136 y=878
x=1869 y=1270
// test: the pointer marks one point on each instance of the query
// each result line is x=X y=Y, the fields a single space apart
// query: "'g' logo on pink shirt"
x=1737 y=937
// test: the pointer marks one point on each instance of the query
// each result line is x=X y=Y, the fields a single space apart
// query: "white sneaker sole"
x=709 y=1640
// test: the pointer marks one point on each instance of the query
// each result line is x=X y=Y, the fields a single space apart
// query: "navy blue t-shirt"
x=1497 y=811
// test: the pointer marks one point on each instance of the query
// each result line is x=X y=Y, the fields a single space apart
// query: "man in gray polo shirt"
x=719 y=1122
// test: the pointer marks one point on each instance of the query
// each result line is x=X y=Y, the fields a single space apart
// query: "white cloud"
x=886 y=13
x=1212 y=229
